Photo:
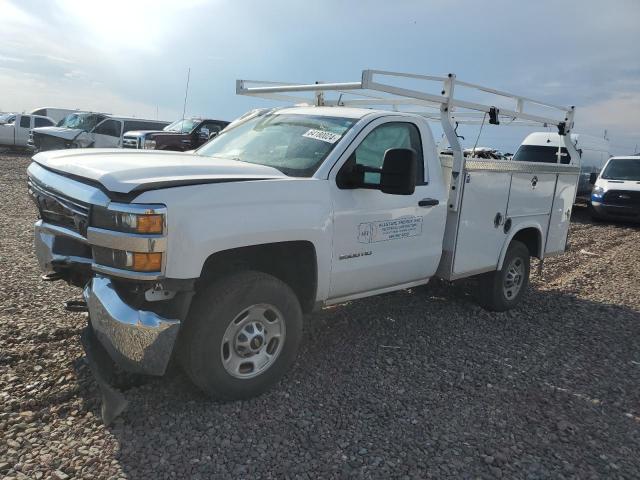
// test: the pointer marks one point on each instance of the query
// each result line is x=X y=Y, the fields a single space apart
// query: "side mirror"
x=593 y=176
x=399 y=171
x=397 y=175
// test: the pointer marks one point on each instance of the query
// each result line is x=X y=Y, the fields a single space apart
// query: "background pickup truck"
x=15 y=128
x=88 y=130
x=180 y=136
x=213 y=257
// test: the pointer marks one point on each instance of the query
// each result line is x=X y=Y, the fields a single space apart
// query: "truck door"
x=7 y=132
x=560 y=214
x=23 y=126
x=108 y=134
x=380 y=240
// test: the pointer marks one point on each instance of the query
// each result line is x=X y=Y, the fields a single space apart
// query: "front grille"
x=58 y=209
x=622 y=197
x=130 y=142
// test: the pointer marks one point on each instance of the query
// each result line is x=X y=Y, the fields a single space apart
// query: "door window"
x=24 y=121
x=42 y=122
x=370 y=152
x=110 y=128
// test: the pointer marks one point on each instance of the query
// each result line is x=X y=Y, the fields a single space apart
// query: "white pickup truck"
x=15 y=128
x=214 y=257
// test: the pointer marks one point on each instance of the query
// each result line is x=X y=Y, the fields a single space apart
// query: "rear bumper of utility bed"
x=138 y=341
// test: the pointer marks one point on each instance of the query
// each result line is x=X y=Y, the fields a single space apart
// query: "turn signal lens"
x=149 y=224
x=147 y=262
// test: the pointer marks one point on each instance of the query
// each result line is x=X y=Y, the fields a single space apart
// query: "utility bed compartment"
x=498 y=199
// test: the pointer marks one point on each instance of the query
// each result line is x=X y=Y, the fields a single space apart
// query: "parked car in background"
x=57 y=114
x=616 y=191
x=549 y=148
x=15 y=128
x=88 y=130
x=180 y=136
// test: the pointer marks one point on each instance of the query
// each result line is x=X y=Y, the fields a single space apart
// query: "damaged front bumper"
x=139 y=341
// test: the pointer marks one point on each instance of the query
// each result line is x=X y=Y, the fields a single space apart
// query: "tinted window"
x=108 y=127
x=24 y=121
x=370 y=152
x=541 y=153
x=42 y=122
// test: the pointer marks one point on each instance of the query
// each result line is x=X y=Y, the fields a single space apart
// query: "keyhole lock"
x=534 y=182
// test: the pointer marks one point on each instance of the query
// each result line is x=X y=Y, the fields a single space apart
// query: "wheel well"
x=292 y=262
x=531 y=238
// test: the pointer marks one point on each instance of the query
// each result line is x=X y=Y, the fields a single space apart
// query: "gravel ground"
x=414 y=384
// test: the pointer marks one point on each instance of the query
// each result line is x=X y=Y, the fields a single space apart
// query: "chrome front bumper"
x=44 y=237
x=138 y=341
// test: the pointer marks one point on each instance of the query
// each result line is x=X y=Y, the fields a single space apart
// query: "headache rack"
x=403 y=92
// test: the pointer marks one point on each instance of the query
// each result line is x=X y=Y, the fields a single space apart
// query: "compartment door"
x=531 y=194
x=480 y=227
x=561 y=214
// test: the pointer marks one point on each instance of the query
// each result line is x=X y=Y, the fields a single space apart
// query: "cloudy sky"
x=131 y=57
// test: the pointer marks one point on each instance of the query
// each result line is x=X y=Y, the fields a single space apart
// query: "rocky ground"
x=414 y=384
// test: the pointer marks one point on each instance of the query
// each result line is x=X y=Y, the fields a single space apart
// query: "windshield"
x=294 y=144
x=182 y=126
x=628 y=169
x=81 y=121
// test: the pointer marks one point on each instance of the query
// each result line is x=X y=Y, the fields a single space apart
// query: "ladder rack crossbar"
x=386 y=94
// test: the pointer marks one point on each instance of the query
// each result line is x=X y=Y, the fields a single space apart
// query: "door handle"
x=428 y=202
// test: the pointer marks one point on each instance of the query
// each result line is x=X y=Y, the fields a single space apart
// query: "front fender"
x=206 y=219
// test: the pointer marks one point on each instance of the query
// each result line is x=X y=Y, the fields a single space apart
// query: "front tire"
x=241 y=336
x=503 y=289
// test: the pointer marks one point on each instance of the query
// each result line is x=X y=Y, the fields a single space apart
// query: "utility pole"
x=186 y=91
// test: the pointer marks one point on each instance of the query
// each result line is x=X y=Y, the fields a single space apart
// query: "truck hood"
x=60 y=132
x=125 y=171
x=632 y=185
x=141 y=133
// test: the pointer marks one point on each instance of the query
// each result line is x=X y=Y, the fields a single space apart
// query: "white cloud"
x=619 y=115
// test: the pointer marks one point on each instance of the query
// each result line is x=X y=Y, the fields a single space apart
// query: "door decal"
x=386 y=230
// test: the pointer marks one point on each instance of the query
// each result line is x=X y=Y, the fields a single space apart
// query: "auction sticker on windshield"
x=321 y=135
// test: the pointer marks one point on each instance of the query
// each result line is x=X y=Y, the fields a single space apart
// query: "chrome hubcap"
x=514 y=278
x=253 y=341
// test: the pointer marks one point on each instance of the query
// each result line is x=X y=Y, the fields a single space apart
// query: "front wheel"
x=242 y=335
x=503 y=289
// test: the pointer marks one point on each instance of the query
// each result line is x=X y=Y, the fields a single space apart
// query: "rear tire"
x=241 y=336
x=503 y=289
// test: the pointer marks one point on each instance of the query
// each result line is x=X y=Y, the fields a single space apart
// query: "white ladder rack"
x=381 y=89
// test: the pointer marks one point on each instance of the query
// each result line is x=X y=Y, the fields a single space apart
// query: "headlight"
x=145 y=221
x=149 y=145
x=597 y=191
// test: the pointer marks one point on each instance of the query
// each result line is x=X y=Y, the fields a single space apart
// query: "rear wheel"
x=503 y=289
x=242 y=335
